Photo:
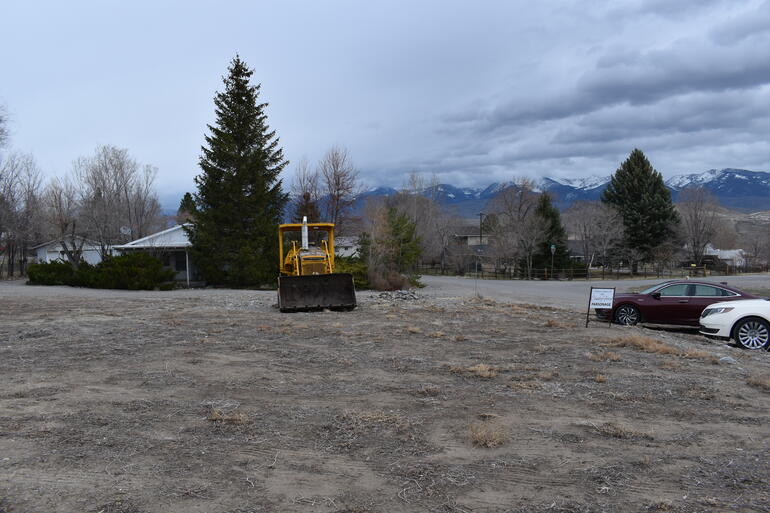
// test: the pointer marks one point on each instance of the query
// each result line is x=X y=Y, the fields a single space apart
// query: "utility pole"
x=481 y=238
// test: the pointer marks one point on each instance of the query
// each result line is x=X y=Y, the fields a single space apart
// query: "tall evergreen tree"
x=555 y=235
x=637 y=191
x=239 y=202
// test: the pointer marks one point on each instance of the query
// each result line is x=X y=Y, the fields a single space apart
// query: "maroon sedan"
x=672 y=302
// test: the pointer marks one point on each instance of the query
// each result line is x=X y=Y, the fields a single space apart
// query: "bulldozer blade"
x=316 y=292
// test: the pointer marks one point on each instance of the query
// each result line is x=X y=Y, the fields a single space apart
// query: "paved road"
x=572 y=294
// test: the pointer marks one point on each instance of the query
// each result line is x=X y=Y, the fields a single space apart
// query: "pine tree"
x=186 y=209
x=404 y=242
x=555 y=235
x=239 y=202
x=637 y=191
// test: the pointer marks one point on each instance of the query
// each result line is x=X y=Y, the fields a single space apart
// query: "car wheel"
x=627 y=315
x=752 y=333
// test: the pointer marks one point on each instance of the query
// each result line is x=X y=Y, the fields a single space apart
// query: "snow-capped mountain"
x=589 y=182
x=736 y=189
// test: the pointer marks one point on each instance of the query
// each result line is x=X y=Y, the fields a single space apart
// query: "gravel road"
x=565 y=294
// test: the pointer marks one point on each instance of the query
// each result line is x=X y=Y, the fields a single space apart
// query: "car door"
x=671 y=307
x=702 y=296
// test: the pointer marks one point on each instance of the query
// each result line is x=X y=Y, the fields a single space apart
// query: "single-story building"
x=171 y=246
x=346 y=246
x=731 y=257
x=53 y=251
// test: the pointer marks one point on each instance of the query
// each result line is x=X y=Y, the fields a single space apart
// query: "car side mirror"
x=655 y=295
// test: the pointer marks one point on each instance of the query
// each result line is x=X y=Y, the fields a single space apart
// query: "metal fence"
x=581 y=273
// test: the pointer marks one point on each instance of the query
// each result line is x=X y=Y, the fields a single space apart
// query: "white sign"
x=601 y=298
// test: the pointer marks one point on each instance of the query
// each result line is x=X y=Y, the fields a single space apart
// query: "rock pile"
x=400 y=295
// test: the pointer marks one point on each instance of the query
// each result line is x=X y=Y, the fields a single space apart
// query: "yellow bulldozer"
x=307 y=280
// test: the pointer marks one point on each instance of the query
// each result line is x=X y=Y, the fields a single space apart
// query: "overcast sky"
x=474 y=92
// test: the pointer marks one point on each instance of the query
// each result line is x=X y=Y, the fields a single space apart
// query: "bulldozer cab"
x=307 y=280
x=306 y=249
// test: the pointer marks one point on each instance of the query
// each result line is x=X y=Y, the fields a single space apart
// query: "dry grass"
x=480 y=370
x=615 y=430
x=697 y=354
x=413 y=329
x=524 y=385
x=670 y=365
x=553 y=323
x=428 y=391
x=646 y=344
x=605 y=356
x=651 y=345
x=600 y=378
x=541 y=349
x=546 y=375
x=233 y=417
x=488 y=434
x=762 y=382
x=379 y=417
x=437 y=334
x=460 y=338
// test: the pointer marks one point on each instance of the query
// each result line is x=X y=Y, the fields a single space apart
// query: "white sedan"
x=746 y=321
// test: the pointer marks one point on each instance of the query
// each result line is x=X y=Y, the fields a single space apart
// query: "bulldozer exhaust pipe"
x=304 y=233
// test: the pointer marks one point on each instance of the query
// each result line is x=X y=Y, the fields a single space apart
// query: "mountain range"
x=735 y=189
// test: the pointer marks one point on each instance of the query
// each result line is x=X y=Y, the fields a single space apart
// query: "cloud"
x=753 y=23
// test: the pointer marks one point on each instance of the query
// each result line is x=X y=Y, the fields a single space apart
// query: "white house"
x=733 y=257
x=53 y=251
x=345 y=246
x=171 y=246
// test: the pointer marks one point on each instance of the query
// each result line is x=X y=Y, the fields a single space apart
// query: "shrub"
x=136 y=271
x=357 y=268
x=51 y=273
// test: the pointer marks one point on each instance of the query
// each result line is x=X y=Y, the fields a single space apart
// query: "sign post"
x=600 y=298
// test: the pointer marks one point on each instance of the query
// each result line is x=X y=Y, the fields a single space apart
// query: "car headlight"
x=712 y=311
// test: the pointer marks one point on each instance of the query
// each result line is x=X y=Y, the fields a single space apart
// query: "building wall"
x=52 y=254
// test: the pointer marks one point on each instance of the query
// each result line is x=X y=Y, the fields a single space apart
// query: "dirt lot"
x=212 y=401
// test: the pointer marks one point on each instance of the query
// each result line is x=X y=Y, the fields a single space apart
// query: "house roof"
x=174 y=237
x=54 y=242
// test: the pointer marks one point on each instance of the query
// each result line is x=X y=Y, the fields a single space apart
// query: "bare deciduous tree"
x=20 y=208
x=3 y=126
x=432 y=222
x=307 y=193
x=756 y=243
x=698 y=210
x=597 y=226
x=518 y=231
x=339 y=184
x=63 y=213
x=117 y=198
